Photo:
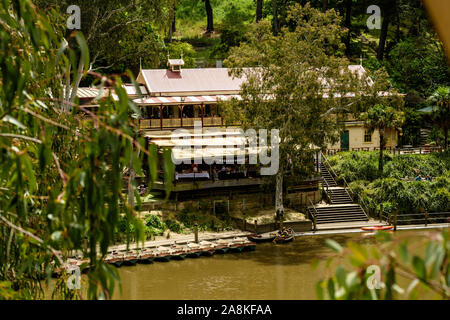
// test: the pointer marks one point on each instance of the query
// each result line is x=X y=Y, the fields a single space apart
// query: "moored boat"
x=250 y=246
x=163 y=254
x=115 y=259
x=130 y=259
x=179 y=252
x=207 y=248
x=377 y=228
x=221 y=249
x=284 y=236
x=237 y=244
x=194 y=250
x=146 y=256
x=258 y=238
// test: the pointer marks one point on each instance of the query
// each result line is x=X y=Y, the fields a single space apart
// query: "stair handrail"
x=347 y=188
x=363 y=205
x=330 y=168
x=327 y=189
x=314 y=215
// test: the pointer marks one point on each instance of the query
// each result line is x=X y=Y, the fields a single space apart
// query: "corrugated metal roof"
x=165 y=82
x=162 y=81
x=131 y=90
x=92 y=93
x=87 y=92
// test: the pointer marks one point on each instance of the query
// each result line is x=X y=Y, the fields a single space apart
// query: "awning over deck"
x=213 y=142
x=207 y=144
x=157 y=101
x=185 y=100
x=211 y=154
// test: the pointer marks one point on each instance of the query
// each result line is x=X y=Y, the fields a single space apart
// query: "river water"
x=270 y=272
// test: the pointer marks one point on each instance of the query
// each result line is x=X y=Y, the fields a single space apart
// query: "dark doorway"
x=345 y=140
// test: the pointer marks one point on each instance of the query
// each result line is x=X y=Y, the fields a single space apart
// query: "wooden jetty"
x=165 y=253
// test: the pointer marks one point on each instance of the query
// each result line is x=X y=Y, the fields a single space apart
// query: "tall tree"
x=173 y=24
x=387 y=12
x=275 y=21
x=440 y=101
x=127 y=24
x=348 y=25
x=288 y=69
x=324 y=5
x=381 y=117
x=259 y=9
x=209 y=17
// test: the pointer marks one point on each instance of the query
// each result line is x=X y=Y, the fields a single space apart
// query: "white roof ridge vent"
x=175 y=64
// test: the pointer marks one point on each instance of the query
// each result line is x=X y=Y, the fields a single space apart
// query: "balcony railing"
x=178 y=123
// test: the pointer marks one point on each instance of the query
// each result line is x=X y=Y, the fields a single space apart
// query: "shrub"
x=354 y=166
x=152 y=220
x=174 y=226
x=205 y=221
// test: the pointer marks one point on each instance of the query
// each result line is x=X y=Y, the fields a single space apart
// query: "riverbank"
x=273 y=272
x=212 y=236
x=359 y=230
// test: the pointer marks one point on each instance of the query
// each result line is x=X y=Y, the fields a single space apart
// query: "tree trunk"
x=172 y=27
x=446 y=138
x=397 y=32
x=324 y=5
x=174 y=20
x=209 y=17
x=380 y=160
x=131 y=177
x=279 y=197
x=259 y=9
x=348 y=25
x=384 y=30
x=275 y=17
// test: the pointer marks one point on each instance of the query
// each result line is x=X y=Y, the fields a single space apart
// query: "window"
x=367 y=136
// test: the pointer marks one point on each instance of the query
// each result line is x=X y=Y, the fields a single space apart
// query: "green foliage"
x=354 y=166
x=411 y=127
x=119 y=32
x=382 y=117
x=419 y=64
x=61 y=170
x=175 y=50
x=395 y=188
x=233 y=29
x=394 y=257
x=152 y=220
x=174 y=226
x=205 y=221
x=440 y=102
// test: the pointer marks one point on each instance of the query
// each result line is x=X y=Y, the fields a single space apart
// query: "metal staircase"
x=342 y=207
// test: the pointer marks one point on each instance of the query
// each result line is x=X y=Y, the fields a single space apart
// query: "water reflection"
x=269 y=272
